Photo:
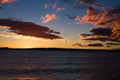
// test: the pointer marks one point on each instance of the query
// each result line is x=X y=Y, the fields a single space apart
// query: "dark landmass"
x=63 y=49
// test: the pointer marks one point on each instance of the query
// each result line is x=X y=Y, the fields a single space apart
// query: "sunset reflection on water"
x=59 y=65
x=25 y=78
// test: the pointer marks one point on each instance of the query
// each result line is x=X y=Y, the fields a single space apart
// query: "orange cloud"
x=78 y=19
x=2 y=2
x=48 y=17
x=7 y=1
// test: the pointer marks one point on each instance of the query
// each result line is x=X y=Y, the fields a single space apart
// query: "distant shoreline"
x=64 y=49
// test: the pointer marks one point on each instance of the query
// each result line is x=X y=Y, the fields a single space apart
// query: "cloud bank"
x=107 y=22
x=96 y=45
x=29 y=29
x=105 y=19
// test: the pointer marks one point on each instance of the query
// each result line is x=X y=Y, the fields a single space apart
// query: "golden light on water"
x=25 y=78
x=32 y=78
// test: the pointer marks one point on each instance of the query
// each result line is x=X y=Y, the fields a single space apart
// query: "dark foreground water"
x=59 y=65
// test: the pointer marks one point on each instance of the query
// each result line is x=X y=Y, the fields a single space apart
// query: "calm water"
x=59 y=65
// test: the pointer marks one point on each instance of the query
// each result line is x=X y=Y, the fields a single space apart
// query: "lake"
x=52 y=64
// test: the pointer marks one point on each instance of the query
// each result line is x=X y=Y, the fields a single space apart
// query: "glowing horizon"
x=75 y=24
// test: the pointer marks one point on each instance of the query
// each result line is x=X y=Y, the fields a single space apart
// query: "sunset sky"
x=84 y=24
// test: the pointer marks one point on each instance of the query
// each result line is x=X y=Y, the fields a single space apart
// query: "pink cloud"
x=48 y=17
x=78 y=19
x=53 y=6
x=108 y=18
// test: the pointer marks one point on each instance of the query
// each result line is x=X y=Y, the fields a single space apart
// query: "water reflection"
x=40 y=77
x=59 y=65
x=25 y=67
x=25 y=78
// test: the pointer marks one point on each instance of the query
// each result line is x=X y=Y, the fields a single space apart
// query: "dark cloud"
x=29 y=29
x=96 y=45
x=113 y=9
x=84 y=36
x=108 y=18
x=70 y=16
x=85 y=3
x=93 y=37
x=101 y=31
x=99 y=38
x=110 y=44
x=79 y=4
x=90 y=10
x=88 y=45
